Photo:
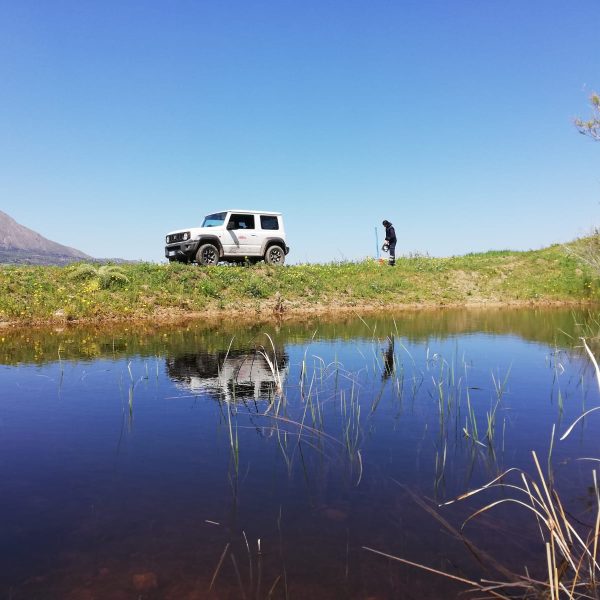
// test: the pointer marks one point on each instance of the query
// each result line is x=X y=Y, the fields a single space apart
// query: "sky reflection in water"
x=133 y=460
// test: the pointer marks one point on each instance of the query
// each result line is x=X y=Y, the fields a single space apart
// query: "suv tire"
x=275 y=255
x=207 y=255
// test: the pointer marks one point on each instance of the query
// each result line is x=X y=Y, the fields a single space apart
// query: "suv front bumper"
x=184 y=251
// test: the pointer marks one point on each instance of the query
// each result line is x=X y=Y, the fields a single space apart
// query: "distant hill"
x=20 y=245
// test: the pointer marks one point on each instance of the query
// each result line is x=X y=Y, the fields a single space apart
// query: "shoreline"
x=269 y=311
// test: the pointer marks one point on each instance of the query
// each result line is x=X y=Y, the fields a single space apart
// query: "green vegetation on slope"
x=30 y=294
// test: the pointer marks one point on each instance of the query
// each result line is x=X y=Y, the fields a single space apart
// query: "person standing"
x=390 y=240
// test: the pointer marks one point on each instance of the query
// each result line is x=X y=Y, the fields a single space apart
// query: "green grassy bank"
x=84 y=292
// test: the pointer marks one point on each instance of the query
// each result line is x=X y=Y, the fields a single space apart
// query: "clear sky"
x=122 y=120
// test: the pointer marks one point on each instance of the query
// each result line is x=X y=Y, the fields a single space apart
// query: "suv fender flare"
x=272 y=241
x=210 y=239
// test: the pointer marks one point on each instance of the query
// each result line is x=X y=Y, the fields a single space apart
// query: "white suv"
x=232 y=236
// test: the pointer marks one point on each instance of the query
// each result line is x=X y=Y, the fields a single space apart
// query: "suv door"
x=269 y=227
x=241 y=235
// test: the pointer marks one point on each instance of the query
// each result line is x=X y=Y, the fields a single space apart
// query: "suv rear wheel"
x=207 y=255
x=275 y=255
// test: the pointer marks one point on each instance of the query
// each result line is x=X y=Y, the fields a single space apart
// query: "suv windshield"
x=214 y=220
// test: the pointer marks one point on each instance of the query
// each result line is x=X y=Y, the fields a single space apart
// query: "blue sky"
x=121 y=120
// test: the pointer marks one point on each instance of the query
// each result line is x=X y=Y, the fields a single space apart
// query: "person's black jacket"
x=390 y=233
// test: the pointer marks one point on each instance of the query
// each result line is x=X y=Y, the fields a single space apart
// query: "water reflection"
x=553 y=327
x=260 y=471
x=230 y=375
x=389 y=359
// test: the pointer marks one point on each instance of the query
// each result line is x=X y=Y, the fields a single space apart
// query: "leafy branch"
x=591 y=127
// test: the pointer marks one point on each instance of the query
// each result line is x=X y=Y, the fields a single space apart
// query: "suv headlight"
x=186 y=236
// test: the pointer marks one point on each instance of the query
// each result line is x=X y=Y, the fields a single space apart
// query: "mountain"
x=20 y=245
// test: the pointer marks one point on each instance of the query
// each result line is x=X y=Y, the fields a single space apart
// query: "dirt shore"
x=287 y=311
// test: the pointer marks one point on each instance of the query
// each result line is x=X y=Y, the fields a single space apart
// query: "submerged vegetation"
x=31 y=294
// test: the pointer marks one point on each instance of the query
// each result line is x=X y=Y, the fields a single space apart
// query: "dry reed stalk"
x=219 y=564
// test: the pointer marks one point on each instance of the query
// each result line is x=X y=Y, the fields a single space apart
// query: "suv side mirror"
x=230 y=225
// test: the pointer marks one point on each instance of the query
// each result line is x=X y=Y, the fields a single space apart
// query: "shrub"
x=107 y=275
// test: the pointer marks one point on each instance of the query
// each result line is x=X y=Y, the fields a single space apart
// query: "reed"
x=571 y=556
x=569 y=546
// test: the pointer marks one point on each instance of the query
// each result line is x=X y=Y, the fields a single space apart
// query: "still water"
x=231 y=461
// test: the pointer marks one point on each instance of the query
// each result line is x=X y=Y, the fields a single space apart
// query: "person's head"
x=386 y=223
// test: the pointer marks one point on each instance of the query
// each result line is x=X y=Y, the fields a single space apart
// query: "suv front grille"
x=176 y=237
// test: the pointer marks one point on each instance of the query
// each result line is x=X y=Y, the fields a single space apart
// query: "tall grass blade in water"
x=591 y=410
x=568 y=545
x=273 y=366
x=571 y=558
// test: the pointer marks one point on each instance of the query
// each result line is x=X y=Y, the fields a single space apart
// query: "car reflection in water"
x=231 y=376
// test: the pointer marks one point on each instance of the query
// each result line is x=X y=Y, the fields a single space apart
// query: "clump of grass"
x=107 y=275
x=110 y=276
x=587 y=250
x=82 y=272
x=256 y=289
x=571 y=556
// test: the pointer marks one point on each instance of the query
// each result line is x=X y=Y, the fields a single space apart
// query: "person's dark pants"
x=392 y=251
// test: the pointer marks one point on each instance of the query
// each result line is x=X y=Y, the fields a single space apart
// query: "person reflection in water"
x=389 y=361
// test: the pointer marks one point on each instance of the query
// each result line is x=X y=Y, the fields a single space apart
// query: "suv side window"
x=269 y=222
x=241 y=221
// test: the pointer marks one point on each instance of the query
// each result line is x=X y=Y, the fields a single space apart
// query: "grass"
x=31 y=294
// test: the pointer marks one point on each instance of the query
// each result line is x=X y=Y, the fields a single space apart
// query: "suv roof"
x=247 y=210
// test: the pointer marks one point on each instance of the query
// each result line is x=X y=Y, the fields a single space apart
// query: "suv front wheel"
x=207 y=255
x=275 y=255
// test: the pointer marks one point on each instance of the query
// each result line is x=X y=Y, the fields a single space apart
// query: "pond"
x=220 y=460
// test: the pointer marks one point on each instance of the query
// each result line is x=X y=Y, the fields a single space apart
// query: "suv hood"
x=196 y=232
